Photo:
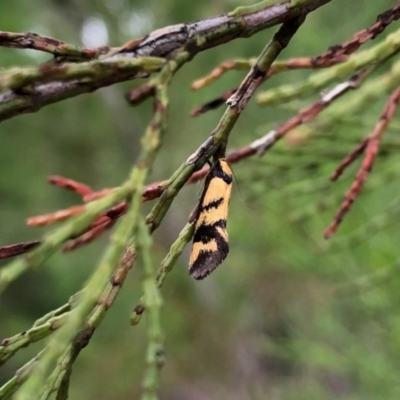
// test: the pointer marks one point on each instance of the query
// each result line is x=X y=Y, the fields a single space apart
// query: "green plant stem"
x=59 y=378
x=214 y=144
x=371 y=91
x=318 y=81
x=72 y=302
x=54 y=240
x=10 y=387
x=218 y=140
x=17 y=78
x=11 y=345
x=93 y=289
x=126 y=229
x=42 y=327
x=152 y=302
x=165 y=267
x=95 y=285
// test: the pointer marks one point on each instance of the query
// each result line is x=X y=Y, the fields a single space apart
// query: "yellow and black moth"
x=210 y=240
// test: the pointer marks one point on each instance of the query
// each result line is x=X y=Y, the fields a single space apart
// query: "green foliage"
x=288 y=315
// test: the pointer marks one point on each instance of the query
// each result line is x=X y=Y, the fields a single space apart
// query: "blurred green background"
x=288 y=315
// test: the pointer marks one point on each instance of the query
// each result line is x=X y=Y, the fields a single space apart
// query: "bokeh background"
x=288 y=315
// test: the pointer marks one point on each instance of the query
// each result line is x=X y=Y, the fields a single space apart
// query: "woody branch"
x=28 y=89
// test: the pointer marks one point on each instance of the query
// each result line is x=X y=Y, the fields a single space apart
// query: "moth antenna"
x=240 y=193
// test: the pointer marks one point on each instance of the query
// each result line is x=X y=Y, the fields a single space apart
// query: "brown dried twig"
x=370 y=147
x=16 y=249
x=70 y=184
x=102 y=223
x=56 y=47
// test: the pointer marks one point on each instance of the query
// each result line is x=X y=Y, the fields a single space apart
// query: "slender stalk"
x=152 y=302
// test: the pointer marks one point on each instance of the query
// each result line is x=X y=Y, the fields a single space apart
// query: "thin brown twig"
x=16 y=249
x=57 y=216
x=30 y=40
x=348 y=160
x=371 y=147
x=70 y=184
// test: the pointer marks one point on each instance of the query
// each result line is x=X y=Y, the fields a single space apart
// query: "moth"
x=210 y=240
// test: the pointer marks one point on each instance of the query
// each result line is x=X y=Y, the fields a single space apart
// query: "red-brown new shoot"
x=370 y=147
